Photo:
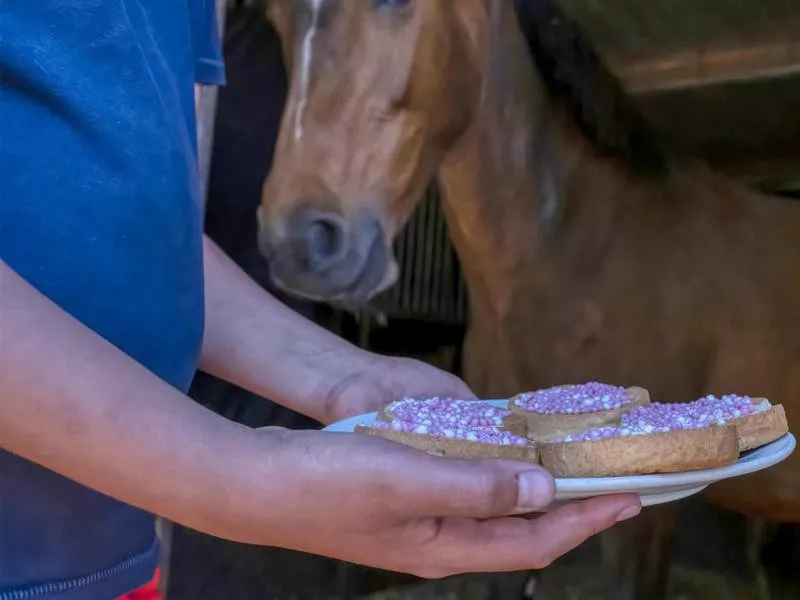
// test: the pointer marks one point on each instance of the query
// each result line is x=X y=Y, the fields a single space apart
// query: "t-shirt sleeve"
x=208 y=57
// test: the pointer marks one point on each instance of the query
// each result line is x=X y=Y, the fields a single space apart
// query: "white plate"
x=652 y=489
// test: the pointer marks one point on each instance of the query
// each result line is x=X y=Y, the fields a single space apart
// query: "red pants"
x=148 y=592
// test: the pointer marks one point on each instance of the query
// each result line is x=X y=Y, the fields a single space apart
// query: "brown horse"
x=590 y=248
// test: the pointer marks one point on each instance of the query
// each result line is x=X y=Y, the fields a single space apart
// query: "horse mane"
x=576 y=76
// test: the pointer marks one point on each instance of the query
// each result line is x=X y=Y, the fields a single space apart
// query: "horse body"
x=683 y=282
x=692 y=294
x=590 y=249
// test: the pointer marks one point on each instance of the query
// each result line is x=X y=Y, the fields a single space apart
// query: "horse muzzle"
x=323 y=256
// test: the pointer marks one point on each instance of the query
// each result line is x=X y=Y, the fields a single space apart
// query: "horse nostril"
x=325 y=243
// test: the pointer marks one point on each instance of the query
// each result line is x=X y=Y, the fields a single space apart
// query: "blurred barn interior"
x=721 y=78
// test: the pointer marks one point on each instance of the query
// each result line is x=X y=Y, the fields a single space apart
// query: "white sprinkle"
x=305 y=68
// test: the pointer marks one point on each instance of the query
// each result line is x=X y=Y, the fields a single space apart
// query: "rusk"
x=668 y=452
x=513 y=423
x=543 y=427
x=762 y=427
x=455 y=447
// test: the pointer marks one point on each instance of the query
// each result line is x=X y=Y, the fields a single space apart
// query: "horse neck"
x=523 y=183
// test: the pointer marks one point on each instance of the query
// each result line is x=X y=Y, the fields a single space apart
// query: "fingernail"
x=536 y=490
x=629 y=513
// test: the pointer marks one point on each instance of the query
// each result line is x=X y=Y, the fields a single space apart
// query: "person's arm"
x=253 y=340
x=75 y=404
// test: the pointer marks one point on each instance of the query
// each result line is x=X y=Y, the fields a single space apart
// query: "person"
x=111 y=299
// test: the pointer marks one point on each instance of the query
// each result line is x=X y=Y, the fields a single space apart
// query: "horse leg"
x=529 y=588
x=617 y=558
x=656 y=532
x=627 y=558
x=788 y=548
x=615 y=552
x=754 y=545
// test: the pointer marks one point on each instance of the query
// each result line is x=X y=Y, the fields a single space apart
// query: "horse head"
x=380 y=90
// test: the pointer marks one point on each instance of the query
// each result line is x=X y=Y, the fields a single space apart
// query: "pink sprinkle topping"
x=486 y=435
x=660 y=418
x=704 y=412
x=597 y=433
x=574 y=399
x=447 y=411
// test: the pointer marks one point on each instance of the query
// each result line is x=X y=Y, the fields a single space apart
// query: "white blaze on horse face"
x=306 y=57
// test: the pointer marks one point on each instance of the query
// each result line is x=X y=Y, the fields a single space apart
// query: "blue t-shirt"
x=100 y=210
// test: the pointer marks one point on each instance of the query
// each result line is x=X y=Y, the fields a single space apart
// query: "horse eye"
x=391 y=3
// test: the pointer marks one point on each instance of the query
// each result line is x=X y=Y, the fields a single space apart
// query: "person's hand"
x=380 y=380
x=370 y=501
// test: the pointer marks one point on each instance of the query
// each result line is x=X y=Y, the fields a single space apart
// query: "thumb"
x=457 y=387
x=481 y=489
x=450 y=386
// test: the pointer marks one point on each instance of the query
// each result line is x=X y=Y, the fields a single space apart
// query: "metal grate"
x=430 y=285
